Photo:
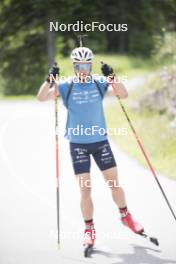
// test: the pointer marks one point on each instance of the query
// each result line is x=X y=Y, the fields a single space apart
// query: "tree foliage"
x=25 y=40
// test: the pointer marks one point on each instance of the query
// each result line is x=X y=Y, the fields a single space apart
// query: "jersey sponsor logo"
x=85 y=97
x=81 y=161
x=80 y=150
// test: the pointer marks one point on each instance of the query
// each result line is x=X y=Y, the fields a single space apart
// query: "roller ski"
x=89 y=240
x=137 y=228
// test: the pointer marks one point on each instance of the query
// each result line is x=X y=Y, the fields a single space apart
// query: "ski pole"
x=80 y=39
x=145 y=155
x=57 y=155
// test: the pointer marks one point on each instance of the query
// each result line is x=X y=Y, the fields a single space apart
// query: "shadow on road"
x=139 y=256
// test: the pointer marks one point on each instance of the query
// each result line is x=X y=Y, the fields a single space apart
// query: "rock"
x=164 y=75
x=171 y=111
x=173 y=124
x=154 y=101
x=171 y=87
x=162 y=100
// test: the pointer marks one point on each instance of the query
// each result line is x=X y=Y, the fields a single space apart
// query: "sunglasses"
x=85 y=67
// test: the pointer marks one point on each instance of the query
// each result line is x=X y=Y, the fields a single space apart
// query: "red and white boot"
x=89 y=235
x=128 y=221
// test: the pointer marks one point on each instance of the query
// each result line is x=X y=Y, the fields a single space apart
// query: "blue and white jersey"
x=85 y=117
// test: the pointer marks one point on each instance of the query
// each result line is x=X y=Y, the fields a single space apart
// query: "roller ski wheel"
x=153 y=240
x=87 y=250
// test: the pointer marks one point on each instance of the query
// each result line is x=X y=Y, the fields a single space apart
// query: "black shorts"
x=101 y=152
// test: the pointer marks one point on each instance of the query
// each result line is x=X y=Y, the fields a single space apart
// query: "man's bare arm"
x=118 y=88
x=45 y=92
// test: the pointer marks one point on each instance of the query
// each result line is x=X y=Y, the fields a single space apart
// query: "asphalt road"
x=28 y=232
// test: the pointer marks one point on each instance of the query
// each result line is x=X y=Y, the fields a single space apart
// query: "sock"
x=124 y=211
x=89 y=224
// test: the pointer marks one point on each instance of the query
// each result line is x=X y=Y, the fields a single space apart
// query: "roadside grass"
x=153 y=129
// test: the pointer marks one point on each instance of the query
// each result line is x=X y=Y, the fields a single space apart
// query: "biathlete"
x=83 y=96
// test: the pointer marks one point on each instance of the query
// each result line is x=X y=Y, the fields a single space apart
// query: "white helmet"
x=81 y=54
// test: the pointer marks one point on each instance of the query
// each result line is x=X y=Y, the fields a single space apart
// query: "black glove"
x=54 y=70
x=107 y=69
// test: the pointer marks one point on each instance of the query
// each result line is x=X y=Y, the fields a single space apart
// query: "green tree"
x=27 y=46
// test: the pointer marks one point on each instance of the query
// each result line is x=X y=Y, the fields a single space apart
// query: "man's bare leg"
x=87 y=208
x=118 y=195
x=111 y=177
x=85 y=192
